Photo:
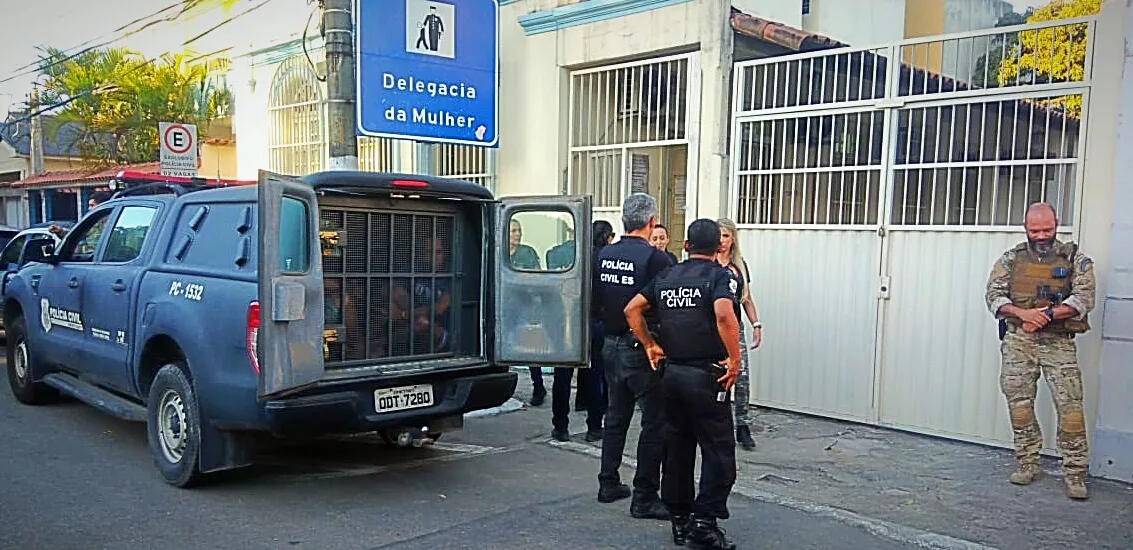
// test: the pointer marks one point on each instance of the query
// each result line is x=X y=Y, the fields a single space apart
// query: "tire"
x=173 y=426
x=22 y=368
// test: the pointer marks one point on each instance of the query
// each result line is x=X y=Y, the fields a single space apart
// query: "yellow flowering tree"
x=1053 y=54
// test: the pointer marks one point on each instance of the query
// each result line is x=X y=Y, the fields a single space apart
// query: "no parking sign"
x=178 y=149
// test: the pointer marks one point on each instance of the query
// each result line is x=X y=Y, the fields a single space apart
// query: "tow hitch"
x=411 y=437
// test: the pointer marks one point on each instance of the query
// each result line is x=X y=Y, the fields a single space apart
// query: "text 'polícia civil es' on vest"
x=615 y=278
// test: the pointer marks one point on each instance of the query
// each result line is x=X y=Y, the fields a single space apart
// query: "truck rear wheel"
x=173 y=426
x=22 y=368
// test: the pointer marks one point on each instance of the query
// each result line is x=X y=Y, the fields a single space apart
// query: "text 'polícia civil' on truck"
x=341 y=302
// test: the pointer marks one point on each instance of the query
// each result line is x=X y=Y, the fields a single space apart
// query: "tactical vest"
x=1037 y=283
x=622 y=271
x=683 y=300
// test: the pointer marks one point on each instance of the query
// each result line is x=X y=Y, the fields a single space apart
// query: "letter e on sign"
x=178 y=149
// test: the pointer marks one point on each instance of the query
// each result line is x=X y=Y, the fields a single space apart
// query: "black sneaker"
x=538 y=396
x=612 y=493
x=649 y=510
x=560 y=434
x=593 y=435
x=743 y=436
x=704 y=534
x=680 y=525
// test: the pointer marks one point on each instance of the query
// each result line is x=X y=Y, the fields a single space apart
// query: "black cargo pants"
x=629 y=380
x=694 y=417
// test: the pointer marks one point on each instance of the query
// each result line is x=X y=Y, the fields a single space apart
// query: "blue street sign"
x=428 y=70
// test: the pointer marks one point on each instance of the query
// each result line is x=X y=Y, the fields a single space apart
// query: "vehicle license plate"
x=403 y=397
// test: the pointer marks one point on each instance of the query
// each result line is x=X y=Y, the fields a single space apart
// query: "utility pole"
x=338 y=36
x=36 y=145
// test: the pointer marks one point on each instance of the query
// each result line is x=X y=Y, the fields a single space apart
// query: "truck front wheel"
x=22 y=368
x=173 y=426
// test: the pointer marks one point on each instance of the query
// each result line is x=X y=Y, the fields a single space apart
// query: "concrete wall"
x=1112 y=453
x=861 y=23
x=535 y=78
x=217 y=161
x=787 y=12
x=251 y=85
x=9 y=161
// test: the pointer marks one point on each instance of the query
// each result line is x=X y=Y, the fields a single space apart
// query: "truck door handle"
x=73 y=283
x=118 y=286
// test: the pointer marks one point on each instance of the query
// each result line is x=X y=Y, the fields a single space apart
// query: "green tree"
x=116 y=98
x=1053 y=54
x=986 y=72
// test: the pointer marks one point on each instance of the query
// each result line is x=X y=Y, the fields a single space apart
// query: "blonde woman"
x=732 y=259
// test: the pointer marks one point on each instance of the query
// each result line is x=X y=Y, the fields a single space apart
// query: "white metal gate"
x=616 y=110
x=873 y=198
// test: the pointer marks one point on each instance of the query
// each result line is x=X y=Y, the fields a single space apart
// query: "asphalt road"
x=76 y=479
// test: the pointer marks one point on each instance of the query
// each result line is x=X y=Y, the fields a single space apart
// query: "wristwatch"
x=1049 y=311
x=757 y=324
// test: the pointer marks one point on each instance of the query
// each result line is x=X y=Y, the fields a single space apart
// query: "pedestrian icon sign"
x=430 y=28
x=428 y=70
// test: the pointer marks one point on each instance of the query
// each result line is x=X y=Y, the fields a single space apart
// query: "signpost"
x=428 y=70
x=178 y=149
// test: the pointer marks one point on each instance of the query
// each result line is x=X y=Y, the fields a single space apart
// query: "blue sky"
x=55 y=23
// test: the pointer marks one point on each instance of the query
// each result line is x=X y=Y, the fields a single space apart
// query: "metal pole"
x=36 y=151
x=338 y=30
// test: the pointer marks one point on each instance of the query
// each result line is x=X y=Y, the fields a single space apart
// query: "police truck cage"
x=129 y=183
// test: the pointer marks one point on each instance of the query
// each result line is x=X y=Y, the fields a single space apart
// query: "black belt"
x=703 y=364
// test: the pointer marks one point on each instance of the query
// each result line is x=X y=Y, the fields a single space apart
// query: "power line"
x=186 y=6
x=35 y=64
x=110 y=87
x=225 y=22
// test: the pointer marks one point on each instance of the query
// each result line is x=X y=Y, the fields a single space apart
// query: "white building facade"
x=872 y=196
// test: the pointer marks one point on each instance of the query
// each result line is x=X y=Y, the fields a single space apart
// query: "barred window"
x=297 y=138
x=466 y=162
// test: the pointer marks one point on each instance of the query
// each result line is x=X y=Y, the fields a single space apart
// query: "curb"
x=509 y=406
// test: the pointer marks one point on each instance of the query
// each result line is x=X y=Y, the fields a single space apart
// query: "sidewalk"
x=909 y=487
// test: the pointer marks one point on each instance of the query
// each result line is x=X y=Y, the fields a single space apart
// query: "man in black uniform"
x=621 y=270
x=694 y=305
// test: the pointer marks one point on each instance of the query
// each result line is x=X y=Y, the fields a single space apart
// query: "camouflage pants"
x=1024 y=357
x=743 y=384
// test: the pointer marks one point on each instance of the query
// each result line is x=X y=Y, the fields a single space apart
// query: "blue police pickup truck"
x=337 y=303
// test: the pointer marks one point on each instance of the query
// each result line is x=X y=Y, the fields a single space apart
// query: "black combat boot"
x=650 y=509
x=704 y=534
x=680 y=528
x=743 y=436
x=611 y=493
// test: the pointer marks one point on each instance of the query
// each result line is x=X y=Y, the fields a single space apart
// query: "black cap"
x=703 y=236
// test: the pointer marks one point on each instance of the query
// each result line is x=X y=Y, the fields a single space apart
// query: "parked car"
x=344 y=302
x=7 y=233
x=14 y=254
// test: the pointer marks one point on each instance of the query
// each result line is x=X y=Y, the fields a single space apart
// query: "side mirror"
x=43 y=252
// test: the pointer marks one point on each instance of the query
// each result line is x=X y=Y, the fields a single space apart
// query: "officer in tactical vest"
x=695 y=302
x=1044 y=289
x=621 y=270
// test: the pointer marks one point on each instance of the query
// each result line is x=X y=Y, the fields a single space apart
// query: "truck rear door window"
x=294 y=236
x=541 y=241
